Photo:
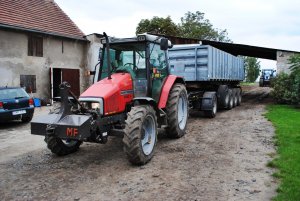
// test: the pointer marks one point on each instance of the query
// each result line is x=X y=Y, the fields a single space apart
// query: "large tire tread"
x=132 y=134
x=230 y=102
x=173 y=130
x=223 y=96
x=212 y=113
x=58 y=147
x=239 y=96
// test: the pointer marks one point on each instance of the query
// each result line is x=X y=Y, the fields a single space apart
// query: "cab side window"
x=157 y=57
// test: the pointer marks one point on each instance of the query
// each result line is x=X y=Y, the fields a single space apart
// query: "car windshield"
x=13 y=93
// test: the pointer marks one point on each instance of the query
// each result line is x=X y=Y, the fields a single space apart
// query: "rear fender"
x=164 y=95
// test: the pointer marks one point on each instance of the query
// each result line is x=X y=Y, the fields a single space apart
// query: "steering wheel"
x=135 y=68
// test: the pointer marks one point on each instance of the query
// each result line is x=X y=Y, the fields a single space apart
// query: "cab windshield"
x=129 y=57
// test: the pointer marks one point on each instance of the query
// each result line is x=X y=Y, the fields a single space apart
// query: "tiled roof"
x=38 y=15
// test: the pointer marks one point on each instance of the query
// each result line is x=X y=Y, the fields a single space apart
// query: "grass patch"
x=248 y=83
x=286 y=120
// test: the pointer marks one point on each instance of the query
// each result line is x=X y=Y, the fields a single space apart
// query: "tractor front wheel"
x=177 y=111
x=62 y=147
x=140 y=134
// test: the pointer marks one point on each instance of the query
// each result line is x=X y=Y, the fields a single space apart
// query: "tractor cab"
x=143 y=57
x=266 y=76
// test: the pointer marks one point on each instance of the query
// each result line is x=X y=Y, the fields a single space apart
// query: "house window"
x=35 y=46
x=28 y=82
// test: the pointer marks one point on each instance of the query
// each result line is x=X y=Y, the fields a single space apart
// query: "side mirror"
x=164 y=44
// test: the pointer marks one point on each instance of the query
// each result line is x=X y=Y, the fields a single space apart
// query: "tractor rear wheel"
x=62 y=147
x=177 y=111
x=140 y=134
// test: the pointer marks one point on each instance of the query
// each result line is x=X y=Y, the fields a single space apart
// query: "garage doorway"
x=59 y=75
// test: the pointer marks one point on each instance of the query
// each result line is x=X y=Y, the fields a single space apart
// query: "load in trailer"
x=134 y=93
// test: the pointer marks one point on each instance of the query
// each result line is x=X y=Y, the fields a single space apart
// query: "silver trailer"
x=212 y=76
x=205 y=63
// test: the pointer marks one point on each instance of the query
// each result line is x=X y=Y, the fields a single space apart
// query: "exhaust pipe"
x=108 y=55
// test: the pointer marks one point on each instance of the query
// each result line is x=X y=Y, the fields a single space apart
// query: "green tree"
x=158 y=25
x=193 y=25
x=252 y=66
x=295 y=78
x=295 y=64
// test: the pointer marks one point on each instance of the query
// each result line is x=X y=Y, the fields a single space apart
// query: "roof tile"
x=42 y=15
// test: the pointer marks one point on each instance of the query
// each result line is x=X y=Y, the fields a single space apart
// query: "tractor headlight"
x=95 y=106
x=92 y=103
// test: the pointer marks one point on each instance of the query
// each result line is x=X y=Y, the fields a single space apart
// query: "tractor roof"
x=138 y=38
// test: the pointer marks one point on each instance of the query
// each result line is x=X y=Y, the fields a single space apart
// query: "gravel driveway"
x=218 y=159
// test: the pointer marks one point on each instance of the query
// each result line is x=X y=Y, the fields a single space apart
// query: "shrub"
x=281 y=88
x=286 y=88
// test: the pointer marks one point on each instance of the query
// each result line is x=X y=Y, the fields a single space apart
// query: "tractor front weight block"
x=76 y=127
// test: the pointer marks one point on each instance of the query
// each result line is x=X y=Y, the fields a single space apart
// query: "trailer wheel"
x=177 y=111
x=140 y=134
x=61 y=147
x=230 y=103
x=212 y=113
x=239 y=96
x=234 y=96
x=223 y=96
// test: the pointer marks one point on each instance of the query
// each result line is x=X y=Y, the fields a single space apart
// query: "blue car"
x=15 y=104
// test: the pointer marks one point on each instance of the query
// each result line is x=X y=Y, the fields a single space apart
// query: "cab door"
x=159 y=70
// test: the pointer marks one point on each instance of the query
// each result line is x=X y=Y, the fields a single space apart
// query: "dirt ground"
x=218 y=159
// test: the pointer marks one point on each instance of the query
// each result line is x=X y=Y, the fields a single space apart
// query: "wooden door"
x=72 y=76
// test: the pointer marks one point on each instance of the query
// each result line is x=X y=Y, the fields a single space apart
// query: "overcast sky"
x=266 y=23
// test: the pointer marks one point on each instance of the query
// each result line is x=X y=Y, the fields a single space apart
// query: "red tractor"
x=133 y=95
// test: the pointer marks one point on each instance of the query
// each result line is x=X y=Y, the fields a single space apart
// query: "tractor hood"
x=116 y=92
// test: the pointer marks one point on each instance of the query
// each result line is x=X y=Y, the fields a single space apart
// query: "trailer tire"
x=223 y=96
x=230 y=103
x=239 y=96
x=177 y=111
x=212 y=113
x=141 y=123
x=235 y=96
x=59 y=147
